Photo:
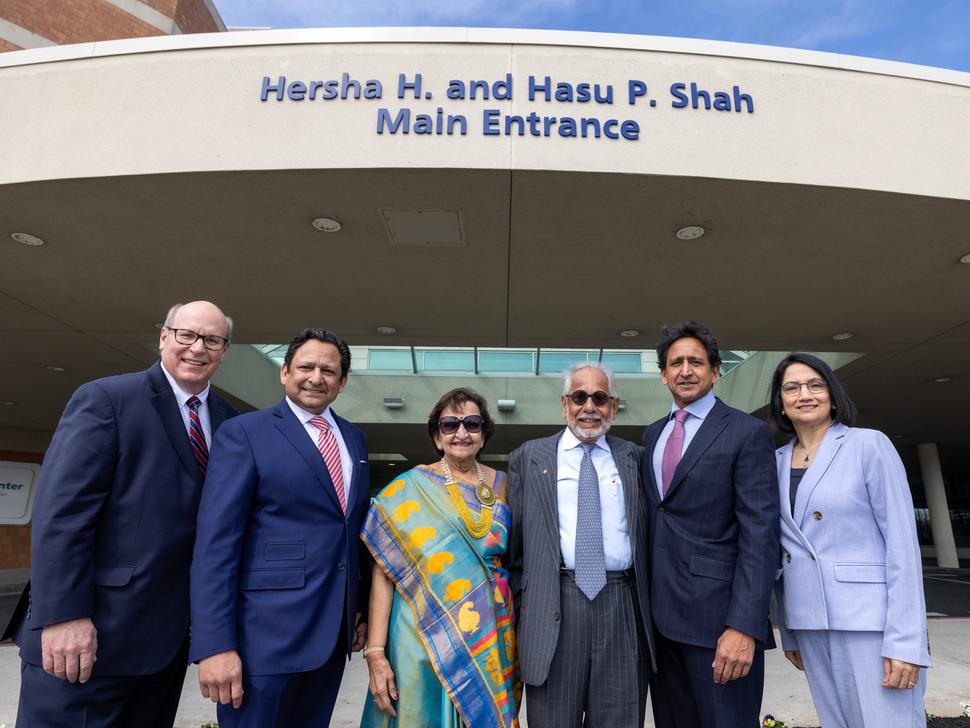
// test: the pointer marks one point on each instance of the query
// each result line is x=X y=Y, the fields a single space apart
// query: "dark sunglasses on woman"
x=449 y=425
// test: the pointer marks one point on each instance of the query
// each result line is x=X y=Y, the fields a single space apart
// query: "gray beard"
x=591 y=434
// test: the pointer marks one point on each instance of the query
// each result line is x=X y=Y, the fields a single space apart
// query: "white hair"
x=174 y=310
x=567 y=376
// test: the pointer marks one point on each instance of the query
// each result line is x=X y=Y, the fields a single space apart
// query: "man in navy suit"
x=104 y=635
x=276 y=579
x=711 y=482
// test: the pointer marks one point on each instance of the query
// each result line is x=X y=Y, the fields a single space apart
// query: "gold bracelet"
x=369 y=650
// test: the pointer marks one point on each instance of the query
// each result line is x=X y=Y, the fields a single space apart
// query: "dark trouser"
x=685 y=694
x=598 y=675
x=294 y=700
x=146 y=701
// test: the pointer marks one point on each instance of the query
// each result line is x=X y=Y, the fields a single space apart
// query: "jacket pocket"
x=866 y=573
x=703 y=566
x=285 y=551
x=113 y=575
x=272 y=579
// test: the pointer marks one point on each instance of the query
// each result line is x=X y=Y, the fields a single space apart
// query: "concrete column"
x=929 y=464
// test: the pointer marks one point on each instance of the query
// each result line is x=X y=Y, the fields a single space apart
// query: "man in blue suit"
x=710 y=477
x=111 y=542
x=277 y=590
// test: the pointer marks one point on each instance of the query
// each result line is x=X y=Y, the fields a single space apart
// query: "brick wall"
x=15 y=540
x=81 y=21
x=75 y=21
x=193 y=17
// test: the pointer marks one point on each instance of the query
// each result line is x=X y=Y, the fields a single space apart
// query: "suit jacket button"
x=661 y=509
x=555 y=616
x=340 y=566
x=817 y=515
x=788 y=558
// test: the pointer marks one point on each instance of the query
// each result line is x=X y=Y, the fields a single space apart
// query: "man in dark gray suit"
x=578 y=520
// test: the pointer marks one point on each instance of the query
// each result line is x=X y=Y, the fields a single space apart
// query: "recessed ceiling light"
x=942 y=380
x=27 y=239
x=842 y=337
x=629 y=333
x=965 y=259
x=690 y=232
x=6 y=403
x=327 y=224
x=386 y=330
x=54 y=368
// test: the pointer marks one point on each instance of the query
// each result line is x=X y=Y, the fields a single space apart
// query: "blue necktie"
x=590 y=562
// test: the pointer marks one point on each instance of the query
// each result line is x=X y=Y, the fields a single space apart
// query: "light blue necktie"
x=590 y=562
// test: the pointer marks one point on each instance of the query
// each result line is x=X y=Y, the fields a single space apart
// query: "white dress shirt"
x=697 y=411
x=616 y=531
x=181 y=397
x=346 y=462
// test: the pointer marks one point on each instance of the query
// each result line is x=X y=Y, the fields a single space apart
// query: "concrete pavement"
x=786 y=692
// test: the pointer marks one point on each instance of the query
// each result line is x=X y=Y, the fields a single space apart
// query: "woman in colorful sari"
x=441 y=643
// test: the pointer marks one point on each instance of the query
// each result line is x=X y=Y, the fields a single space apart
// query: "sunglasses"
x=449 y=425
x=599 y=397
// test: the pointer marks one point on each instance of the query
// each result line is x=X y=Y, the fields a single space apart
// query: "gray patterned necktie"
x=590 y=562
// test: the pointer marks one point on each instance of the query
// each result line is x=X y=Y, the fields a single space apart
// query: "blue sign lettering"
x=496 y=121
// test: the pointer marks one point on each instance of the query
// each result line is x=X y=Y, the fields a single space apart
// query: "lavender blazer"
x=850 y=559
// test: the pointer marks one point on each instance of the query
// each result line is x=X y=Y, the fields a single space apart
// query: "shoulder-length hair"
x=844 y=410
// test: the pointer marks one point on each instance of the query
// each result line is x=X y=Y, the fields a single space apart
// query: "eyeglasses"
x=449 y=425
x=793 y=389
x=599 y=397
x=187 y=337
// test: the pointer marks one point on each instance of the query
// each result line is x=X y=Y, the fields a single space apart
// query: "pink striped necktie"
x=327 y=445
x=196 y=435
x=673 y=450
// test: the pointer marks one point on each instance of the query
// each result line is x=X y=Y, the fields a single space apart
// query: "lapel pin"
x=545 y=470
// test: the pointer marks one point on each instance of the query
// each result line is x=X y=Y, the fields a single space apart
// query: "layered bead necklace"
x=486 y=496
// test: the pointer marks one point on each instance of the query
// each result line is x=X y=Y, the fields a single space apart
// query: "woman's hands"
x=899 y=675
x=382 y=687
x=795 y=658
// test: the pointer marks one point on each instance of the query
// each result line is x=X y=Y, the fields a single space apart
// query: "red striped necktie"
x=327 y=445
x=196 y=435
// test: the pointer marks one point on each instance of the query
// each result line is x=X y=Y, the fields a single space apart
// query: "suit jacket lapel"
x=356 y=456
x=710 y=428
x=783 y=455
x=294 y=431
x=217 y=413
x=784 y=493
x=168 y=412
x=831 y=444
x=544 y=478
x=649 y=443
x=623 y=456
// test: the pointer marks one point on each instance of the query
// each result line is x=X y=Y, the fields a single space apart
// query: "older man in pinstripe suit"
x=578 y=533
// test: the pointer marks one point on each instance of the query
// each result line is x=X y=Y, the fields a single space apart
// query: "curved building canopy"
x=493 y=188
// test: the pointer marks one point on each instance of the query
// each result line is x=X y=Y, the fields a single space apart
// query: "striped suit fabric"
x=713 y=551
x=555 y=622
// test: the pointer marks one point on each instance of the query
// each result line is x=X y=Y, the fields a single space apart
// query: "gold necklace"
x=809 y=453
x=486 y=496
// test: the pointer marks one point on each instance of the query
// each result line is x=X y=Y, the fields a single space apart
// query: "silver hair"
x=174 y=310
x=567 y=376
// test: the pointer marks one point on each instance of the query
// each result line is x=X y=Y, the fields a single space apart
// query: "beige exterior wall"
x=181 y=104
